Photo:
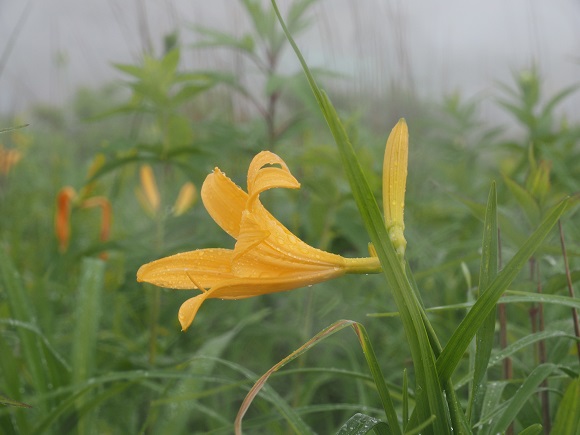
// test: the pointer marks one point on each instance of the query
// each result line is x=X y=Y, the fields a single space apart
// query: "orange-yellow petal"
x=62 y=219
x=224 y=201
x=207 y=267
x=189 y=309
x=275 y=251
x=249 y=287
x=262 y=178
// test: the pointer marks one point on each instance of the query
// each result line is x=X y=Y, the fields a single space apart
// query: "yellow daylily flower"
x=394 y=185
x=267 y=257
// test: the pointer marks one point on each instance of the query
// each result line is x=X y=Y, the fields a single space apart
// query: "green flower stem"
x=363 y=265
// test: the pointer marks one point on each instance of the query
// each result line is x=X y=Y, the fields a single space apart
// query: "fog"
x=48 y=48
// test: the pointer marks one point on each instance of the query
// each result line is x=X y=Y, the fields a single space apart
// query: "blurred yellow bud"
x=394 y=184
x=186 y=198
x=8 y=158
x=150 y=194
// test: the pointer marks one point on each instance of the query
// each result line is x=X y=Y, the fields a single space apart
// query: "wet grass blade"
x=361 y=424
x=21 y=310
x=487 y=272
x=84 y=348
x=528 y=388
x=430 y=401
x=459 y=341
x=568 y=414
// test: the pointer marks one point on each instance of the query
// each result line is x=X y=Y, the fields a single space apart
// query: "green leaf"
x=488 y=271
x=215 y=38
x=459 y=341
x=534 y=429
x=361 y=424
x=525 y=200
x=178 y=131
x=516 y=403
x=378 y=378
x=21 y=309
x=556 y=99
x=568 y=415
x=430 y=401
x=84 y=347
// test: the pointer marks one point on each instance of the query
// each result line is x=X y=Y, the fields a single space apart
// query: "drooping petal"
x=189 y=309
x=224 y=201
x=205 y=267
x=262 y=159
x=262 y=178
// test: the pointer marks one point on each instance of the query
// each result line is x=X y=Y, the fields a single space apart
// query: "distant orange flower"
x=267 y=257
x=65 y=200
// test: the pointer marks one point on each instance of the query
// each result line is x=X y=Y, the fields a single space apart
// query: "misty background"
x=49 y=48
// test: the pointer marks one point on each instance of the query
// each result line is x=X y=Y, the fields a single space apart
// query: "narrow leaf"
x=568 y=415
x=430 y=401
x=84 y=349
x=488 y=271
x=459 y=341
x=516 y=403
x=361 y=424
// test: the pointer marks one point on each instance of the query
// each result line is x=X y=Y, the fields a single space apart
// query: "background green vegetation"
x=93 y=351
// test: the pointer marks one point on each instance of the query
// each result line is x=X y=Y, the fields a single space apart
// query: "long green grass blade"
x=534 y=429
x=378 y=378
x=568 y=414
x=459 y=341
x=528 y=388
x=487 y=272
x=85 y=336
x=515 y=347
x=361 y=424
x=430 y=401
x=512 y=297
x=21 y=309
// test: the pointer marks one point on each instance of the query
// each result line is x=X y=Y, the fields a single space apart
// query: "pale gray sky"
x=437 y=46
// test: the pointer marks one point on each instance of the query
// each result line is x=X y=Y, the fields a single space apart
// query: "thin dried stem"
x=570 y=288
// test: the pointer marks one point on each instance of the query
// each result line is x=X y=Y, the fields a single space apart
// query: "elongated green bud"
x=394 y=184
